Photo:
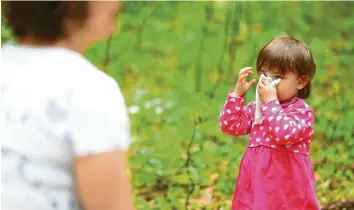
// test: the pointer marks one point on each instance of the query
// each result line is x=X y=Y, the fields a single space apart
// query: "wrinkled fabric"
x=275 y=172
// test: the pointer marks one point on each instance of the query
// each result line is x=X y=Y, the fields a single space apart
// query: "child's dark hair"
x=286 y=54
x=44 y=19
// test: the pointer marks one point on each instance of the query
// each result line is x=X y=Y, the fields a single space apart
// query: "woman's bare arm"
x=102 y=181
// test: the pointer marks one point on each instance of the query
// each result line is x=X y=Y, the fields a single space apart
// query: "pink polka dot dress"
x=275 y=172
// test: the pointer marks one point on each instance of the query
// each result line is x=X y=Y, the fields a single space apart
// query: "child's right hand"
x=242 y=84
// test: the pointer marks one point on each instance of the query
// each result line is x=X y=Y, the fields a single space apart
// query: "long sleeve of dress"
x=290 y=126
x=235 y=118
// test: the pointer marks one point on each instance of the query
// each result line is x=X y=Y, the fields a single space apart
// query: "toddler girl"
x=276 y=171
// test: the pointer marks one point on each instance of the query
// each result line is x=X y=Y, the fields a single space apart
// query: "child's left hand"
x=267 y=92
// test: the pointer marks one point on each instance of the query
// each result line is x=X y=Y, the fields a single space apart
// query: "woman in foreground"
x=65 y=126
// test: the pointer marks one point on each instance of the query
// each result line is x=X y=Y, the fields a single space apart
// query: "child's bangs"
x=276 y=60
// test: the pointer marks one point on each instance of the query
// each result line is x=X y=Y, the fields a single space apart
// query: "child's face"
x=289 y=85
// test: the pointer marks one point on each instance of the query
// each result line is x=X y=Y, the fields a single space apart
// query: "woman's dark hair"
x=43 y=19
x=287 y=54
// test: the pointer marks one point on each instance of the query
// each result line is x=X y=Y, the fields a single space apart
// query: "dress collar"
x=292 y=101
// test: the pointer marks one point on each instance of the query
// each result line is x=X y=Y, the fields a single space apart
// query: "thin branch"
x=192 y=184
x=198 y=69
x=189 y=154
x=107 y=56
x=221 y=61
x=232 y=45
x=187 y=164
x=141 y=27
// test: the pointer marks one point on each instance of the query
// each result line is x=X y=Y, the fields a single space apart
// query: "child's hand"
x=242 y=84
x=267 y=92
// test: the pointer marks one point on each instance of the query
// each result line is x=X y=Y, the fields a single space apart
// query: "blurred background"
x=176 y=61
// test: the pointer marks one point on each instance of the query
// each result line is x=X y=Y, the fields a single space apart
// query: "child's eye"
x=276 y=77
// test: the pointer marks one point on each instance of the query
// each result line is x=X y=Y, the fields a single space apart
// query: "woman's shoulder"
x=61 y=70
x=57 y=61
x=91 y=80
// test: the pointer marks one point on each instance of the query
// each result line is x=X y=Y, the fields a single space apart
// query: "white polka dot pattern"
x=285 y=127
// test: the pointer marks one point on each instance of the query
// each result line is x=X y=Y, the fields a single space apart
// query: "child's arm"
x=288 y=127
x=235 y=119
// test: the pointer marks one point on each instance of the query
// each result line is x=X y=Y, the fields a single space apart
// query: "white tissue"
x=258 y=118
